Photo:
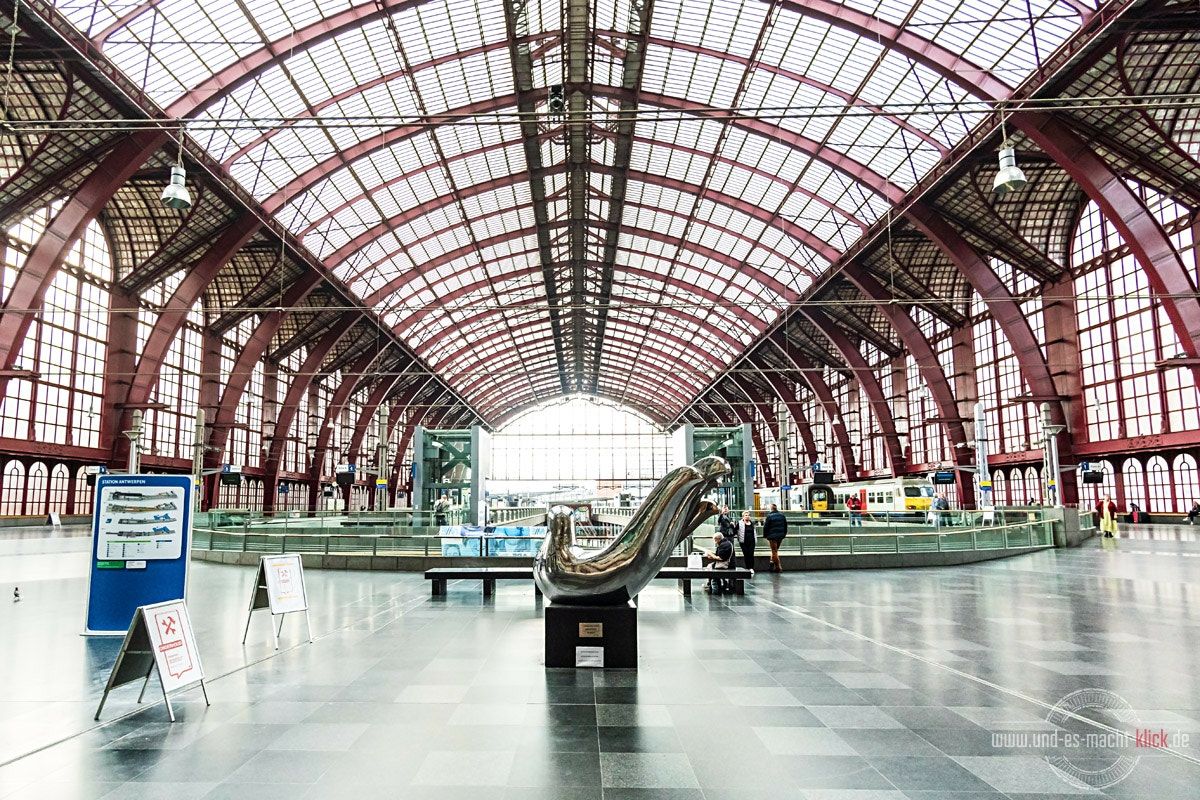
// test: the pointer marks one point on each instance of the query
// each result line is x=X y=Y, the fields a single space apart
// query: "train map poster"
x=140 y=523
x=141 y=540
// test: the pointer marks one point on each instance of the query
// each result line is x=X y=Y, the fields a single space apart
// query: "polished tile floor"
x=857 y=685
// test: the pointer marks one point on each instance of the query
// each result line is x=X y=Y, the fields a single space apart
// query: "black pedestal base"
x=613 y=629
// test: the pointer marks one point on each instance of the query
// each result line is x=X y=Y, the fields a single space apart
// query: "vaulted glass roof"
x=709 y=162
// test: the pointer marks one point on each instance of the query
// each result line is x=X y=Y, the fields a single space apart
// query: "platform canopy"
x=578 y=196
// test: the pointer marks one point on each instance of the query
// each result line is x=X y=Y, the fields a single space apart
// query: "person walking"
x=1106 y=509
x=774 y=531
x=746 y=538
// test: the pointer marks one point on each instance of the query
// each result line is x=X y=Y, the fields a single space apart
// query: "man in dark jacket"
x=722 y=559
x=774 y=531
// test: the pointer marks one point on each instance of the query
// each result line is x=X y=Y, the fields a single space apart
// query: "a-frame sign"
x=279 y=586
x=159 y=639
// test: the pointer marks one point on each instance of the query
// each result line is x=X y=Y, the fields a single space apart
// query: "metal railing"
x=961 y=532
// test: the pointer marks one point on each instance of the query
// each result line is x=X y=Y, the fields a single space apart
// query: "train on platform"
x=887 y=498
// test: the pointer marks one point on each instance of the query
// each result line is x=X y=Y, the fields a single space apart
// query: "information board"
x=141 y=533
x=159 y=638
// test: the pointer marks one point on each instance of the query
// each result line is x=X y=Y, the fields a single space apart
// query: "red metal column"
x=869 y=383
x=244 y=367
x=341 y=395
x=812 y=376
x=291 y=404
x=788 y=395
x=922 y=352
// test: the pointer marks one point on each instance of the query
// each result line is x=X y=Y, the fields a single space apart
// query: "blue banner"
x=141 y=537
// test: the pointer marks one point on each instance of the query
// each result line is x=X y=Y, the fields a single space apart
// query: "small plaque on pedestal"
x=591 y=636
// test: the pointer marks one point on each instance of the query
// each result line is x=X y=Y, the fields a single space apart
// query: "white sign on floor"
x=279 y=587
x=159 y=639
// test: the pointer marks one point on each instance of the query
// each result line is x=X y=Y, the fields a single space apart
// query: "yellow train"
x=891 y=497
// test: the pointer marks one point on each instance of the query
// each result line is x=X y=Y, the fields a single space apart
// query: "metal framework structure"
x=708 y=212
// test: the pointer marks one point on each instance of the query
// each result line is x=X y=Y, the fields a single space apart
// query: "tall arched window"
x=83 y=493
x=1187 y=491
x=35 y=489
x=1158 y=478
x=1135 y=487
x=13 y=502
x=999 y=489
x=1033 y=485
x=1016 y=487
x=60 y=484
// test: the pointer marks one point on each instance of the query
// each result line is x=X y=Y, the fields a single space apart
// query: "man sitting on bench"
x=723 y=559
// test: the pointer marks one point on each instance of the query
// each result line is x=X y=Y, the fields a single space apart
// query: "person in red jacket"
x=1106 y=512
x=854 y=506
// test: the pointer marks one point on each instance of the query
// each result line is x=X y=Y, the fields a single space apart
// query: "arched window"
x=1016 y=487
x=83 y=493
x=1033 y=486
x=13 y=500
x=60 y=483
x=1186 y=489
x=35 y=489
x=999 y=489
x=1158 y=478
x=1135 y=488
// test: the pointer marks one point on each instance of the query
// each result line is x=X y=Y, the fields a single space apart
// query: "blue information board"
x=141 y=538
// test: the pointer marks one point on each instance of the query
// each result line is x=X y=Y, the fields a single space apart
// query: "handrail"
x=1027 y=534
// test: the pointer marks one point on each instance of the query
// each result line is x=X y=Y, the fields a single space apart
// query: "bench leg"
x=685 y=586
x=439 y=587
x=537 y=590
x=489 y=587
x=739 y=586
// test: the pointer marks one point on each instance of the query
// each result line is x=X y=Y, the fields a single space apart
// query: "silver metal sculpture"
x=674 y=508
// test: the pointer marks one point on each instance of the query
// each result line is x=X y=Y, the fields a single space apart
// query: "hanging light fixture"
x=1010 y=178
x=176 y=194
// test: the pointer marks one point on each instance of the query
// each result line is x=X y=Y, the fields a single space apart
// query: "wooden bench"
x=489 y=576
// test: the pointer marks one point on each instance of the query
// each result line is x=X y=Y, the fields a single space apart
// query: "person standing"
x=746 y=538
x=854 y=506
x=1107 y=511
x=940 y=506
x=775 y=530
x=440 y=509
x=725 y=523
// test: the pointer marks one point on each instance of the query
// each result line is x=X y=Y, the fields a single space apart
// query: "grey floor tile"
x=465 y=768
x=647 y=771
x=854 y=717
x=804 y=742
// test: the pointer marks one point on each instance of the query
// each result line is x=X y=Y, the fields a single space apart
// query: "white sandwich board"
x=159 y=639
x=279 y=587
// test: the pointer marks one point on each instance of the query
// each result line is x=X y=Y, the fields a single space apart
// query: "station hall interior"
x=422 y=310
